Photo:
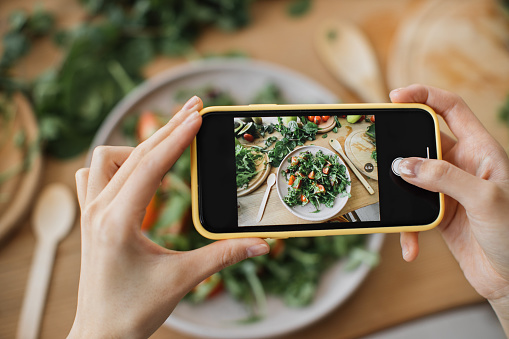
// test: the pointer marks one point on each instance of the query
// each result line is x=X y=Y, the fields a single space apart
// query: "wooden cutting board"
x=358 y=149
x=461 y=46
x=263 y=169
x=20 y=164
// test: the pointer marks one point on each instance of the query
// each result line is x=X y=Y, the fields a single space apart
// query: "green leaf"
x=298 y=8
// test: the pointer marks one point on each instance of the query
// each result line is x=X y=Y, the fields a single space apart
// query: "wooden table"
x=276 y=213
x=393 y=293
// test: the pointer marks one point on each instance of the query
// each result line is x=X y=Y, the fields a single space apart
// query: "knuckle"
x=229 y=257
x=435 y=170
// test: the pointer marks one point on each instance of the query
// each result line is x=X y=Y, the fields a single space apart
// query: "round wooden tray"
x=327 y=126
x=259 y=179
x=358 y=148
x=17 y=192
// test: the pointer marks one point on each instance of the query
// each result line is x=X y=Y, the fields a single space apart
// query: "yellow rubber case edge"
x=310 y=233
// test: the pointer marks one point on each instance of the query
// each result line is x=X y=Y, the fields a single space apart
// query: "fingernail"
x=396 y=90
x=410 y=167
x=257 y=250
x=191 y=117
x=404 y=250
x=190 y=103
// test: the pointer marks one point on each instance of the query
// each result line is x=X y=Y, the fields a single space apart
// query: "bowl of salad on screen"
x=313 y=183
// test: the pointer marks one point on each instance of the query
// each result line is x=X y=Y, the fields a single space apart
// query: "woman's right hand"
x=474 y=176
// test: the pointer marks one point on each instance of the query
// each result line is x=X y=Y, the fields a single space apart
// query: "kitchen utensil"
x=358 y=148
x=337 y=147
x=271 y=180
x=348 y=54
x=52 y=219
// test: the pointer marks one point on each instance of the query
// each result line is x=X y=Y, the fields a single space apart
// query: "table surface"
x=393 y=293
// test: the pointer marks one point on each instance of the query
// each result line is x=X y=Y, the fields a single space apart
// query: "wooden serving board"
x=358 y=149
x=263 y=169
x=327 y=126
x=18 y=190
x=460 y=46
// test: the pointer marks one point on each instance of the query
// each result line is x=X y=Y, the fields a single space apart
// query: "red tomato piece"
x=291 y=180
x=325 y=118
x=248 y=137
x=317 y=120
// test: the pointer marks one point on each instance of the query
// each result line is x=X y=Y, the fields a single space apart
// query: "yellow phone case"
x=309 y=233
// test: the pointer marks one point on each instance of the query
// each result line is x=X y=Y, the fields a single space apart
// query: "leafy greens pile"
x=245 y=164
x=104 y=57
x=293 y=136
x=315 y=178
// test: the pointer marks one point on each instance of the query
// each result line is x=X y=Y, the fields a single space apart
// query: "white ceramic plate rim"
x=301 y=211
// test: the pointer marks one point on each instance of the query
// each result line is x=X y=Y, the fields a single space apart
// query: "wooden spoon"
x=53 y=218
x=271 y=180
x=348 y=54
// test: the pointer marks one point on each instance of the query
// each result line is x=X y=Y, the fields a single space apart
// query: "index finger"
x=456 y=113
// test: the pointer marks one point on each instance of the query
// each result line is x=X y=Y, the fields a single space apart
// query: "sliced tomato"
x=311 y=175
x=294 y=161
x=291 y=180
x=299 y=183
x=325 y=118
x=321 y=189
x=304 y=199
x=151 y=214
x=317 y=120
x=372 y=119
x=326 y=170
x=311 y=118
x=148 y=124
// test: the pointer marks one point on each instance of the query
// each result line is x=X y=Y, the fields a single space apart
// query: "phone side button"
x=395 y=166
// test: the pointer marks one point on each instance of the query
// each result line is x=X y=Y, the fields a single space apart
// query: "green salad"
x=316 y=179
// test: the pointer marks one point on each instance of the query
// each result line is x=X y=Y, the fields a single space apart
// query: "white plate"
x=307 y=212
x=217 y=318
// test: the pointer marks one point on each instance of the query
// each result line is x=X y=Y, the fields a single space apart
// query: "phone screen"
x=313 y=186
x=289 y=171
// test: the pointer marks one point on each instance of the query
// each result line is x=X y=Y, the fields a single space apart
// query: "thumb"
x=205 y=261
x=441 y=176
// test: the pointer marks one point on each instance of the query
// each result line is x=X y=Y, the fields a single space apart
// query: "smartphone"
x=279 y=171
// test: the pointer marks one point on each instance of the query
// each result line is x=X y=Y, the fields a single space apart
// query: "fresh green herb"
x=292 y=136
x=316 y=179
x=265 y=129
x=338 y=124
x=331 y=35
x=324 y=136
x=335 y=129
x=246 y=162
x=370 y=132
x=504 y=110
x=298 y=8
